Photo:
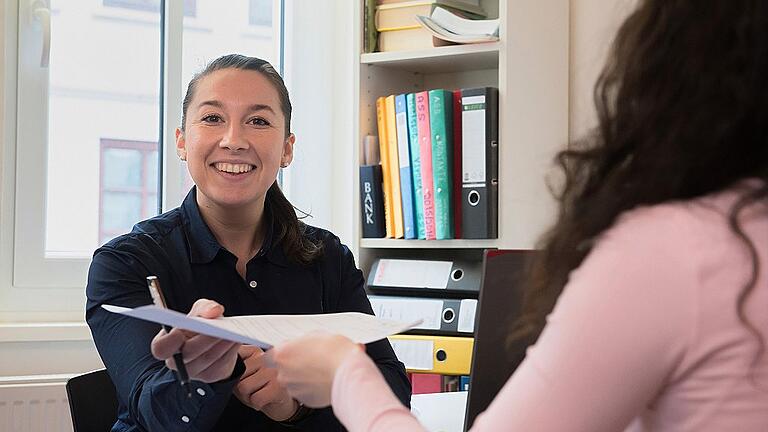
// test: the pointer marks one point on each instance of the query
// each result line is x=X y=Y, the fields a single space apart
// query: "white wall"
x=593 y=24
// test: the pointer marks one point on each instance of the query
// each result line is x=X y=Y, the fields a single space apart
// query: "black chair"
x=92 y=402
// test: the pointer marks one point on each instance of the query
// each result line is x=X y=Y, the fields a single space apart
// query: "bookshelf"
x=371 y=243
x=453 y=58
x=529 y=66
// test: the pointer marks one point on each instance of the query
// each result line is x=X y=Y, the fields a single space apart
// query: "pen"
x=157 y=297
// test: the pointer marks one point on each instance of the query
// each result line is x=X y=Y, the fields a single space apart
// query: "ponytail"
x=289 y=231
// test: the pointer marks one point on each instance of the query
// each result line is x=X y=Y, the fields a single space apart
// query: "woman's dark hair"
x=288 y=229
x=682 y=108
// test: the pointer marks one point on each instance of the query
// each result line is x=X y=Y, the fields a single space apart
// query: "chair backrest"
x=92 y=402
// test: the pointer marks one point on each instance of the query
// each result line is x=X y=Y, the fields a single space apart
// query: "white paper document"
x=272 y=330
x=439 y=32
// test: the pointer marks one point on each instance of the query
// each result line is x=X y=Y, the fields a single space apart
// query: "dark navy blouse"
x=179 y=248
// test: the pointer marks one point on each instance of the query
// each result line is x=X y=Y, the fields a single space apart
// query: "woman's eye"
x=212 y=118
x=258 y=121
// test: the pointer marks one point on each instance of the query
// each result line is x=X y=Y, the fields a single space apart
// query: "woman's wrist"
x=345 y=367
x=300 y=413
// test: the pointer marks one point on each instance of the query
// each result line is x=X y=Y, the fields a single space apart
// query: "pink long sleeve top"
x=645 y=337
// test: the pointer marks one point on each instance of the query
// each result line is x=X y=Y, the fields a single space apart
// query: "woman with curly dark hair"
x=649 y=303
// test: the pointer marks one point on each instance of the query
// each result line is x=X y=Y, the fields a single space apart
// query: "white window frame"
x=35 y=288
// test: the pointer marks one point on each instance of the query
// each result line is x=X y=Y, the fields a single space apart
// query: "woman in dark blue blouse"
x=235 y=240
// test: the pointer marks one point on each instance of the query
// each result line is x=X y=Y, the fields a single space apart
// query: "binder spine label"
x=372 y=202
x=473 y=139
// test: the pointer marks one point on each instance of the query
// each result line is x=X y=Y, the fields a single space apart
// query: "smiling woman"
x=235 y=137
x=236 y=240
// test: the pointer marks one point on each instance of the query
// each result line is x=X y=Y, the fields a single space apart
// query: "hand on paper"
x=258 y=388
x=307 y=366
x=206 y=358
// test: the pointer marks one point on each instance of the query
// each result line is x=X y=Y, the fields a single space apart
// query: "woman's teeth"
x=233 y=168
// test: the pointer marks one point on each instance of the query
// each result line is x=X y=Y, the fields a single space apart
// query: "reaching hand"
x=258 y=388
x=306 y=367
x=206 y=358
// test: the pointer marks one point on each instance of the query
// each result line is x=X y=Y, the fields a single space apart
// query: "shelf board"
x=428 y=244
x=452 y=58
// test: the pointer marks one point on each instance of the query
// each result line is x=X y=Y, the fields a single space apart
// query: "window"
x=260 y=12
x=127 y=187
x=97 y=101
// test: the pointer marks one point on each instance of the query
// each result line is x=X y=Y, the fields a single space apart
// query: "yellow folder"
x=384 y=154
x=447 y=355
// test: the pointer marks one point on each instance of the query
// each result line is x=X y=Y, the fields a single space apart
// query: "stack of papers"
x=267 y=331
x=448 y=26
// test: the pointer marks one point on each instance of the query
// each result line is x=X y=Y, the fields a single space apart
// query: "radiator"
x=34 y=404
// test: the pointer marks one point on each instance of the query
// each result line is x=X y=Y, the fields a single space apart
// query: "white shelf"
x=529 y=66
x=453 y=58
x=384 y=243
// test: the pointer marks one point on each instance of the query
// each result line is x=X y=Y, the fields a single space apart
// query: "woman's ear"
x=287 y=156
x=181 y=145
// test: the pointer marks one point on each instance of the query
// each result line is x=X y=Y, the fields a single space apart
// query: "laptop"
x=501 y=292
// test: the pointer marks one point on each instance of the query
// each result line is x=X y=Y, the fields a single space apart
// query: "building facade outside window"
x=127 y=185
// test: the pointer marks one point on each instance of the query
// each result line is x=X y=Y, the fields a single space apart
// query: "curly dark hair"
x=682 y=108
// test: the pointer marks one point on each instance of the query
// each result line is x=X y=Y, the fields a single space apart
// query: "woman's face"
x=234 y=139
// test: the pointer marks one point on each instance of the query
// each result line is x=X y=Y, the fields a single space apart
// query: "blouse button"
x=185 y=419
x=253 y=284
x=200 y=391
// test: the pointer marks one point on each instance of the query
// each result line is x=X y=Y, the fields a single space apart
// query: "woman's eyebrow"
x=255 y=107
x=213 y=103
x=261 y=107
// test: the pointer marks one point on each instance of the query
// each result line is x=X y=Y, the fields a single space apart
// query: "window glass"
x=120 y=211
x=150 y=173
x=221 y=30
x=128 y=178
x=104 y=79
x=260 y=12
x=190 y=6
x=121 y=168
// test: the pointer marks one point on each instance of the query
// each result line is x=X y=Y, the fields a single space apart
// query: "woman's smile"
x=234 y=172
x=233 y=168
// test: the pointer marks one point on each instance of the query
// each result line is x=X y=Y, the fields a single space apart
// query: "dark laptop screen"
x=501 y=293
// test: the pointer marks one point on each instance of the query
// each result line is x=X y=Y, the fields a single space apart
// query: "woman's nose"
x=233 y=139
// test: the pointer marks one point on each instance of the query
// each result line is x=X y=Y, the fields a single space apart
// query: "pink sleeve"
x=362 y=400
x=614 y=337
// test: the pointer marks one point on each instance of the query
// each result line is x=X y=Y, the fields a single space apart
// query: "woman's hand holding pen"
x=258 y=387
x=206 y=358
x=307 y=366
